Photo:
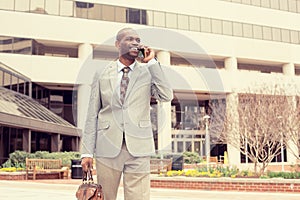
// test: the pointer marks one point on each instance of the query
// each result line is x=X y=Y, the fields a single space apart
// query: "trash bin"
x=76 y=169
x=177 y=161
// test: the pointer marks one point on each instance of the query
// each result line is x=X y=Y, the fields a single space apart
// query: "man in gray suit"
x=118 y=129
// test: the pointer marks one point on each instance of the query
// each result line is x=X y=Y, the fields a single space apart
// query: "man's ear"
x=117 y=44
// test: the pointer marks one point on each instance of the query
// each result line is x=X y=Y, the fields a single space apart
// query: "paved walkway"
x=65 y=190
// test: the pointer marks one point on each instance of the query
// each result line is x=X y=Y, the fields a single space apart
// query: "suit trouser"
x=136 y=175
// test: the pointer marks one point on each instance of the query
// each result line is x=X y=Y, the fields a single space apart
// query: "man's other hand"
x=86 y=163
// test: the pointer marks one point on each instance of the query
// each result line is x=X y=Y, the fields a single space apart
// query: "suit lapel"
x=133 y=78
x=113 y=76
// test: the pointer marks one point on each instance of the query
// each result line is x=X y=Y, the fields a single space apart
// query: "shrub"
x=285 y=175
x=191 y=157
x=18 y=158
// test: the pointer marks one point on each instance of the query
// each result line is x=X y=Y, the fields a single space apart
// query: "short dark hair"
x=121 y=32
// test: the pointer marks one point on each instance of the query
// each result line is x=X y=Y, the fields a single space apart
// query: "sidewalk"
x=65 y=190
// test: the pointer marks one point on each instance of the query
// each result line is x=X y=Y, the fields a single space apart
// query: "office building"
x=212 y=50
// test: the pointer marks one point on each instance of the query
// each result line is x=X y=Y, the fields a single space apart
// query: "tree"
x=265 y=121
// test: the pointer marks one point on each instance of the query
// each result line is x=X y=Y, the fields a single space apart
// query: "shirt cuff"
x=86 y=155
x=152 y=61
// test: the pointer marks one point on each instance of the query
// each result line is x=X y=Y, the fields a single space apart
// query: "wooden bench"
x=212 y=159
x=158 y=166
x=45 y=166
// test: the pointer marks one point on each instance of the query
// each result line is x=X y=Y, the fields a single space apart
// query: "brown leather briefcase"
x=89 y=190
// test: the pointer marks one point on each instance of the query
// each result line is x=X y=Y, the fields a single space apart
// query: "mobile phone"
x=141 y=52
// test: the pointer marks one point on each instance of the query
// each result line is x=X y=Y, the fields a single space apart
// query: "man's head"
x=127 y=42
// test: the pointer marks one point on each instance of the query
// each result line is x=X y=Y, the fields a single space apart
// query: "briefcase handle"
x=87 y=176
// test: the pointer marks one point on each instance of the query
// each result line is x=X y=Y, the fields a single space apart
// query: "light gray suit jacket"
x=107 y=119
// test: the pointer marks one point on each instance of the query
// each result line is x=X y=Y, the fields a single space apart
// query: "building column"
x=55 y=142
x=85 y=54
x=164 y=57
x=288 y=69
x=26 y=140
x=85 y=51
x=164 y=124
x=75 y=143
x=83 y=94
x=2 y=148
x=231 y=64
x=232 y=110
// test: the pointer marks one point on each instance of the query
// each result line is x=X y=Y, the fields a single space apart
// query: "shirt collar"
x=121 y=65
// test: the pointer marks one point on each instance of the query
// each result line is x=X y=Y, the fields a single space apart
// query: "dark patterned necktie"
x=124 y=83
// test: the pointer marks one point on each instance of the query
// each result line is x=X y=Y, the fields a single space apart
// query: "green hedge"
x=18 y=158
x=285 y=175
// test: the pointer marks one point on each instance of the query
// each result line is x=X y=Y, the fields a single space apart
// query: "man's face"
x=128 y=44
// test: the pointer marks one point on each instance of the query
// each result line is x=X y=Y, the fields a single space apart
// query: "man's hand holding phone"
x=147 y=53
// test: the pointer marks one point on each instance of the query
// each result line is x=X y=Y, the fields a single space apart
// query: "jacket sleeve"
x=160 y=88
x=90 y=129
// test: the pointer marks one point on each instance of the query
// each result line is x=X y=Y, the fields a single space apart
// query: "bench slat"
x=43 y=165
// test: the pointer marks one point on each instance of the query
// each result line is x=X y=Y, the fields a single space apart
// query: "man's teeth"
x=134 y=48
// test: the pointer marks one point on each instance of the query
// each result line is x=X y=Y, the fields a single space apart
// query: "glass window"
x=6 y=44
x=248 y=30
x=179 y=147
x=246 y=2
x=205 y=24
x=256 y=2
x=285 y=35
x=135 y=16
x=266 y=3
x=14 y=83
x=197 y=147
x=237 y=29
x=81 y=10
x=216 y=26
x=293 y=5
x=7 y=5
x=191 y=117
x=267 y=33
x=298 y=6
x=183 y=22
x=121 y=16
x=66 y=8
x=22 y=5
x=108 y=13
x=188 y=146
x=149 y=18
x=52 y=7
x=171 y=20
x=37 y=6
x=275 y=4
x=22 y=46
x=159 y=19
x=283 y=4
x=7 y=79
x=276 y=33
x=257 y=31
x=194 y=23
x=94 y=12
x=227 y=28
x=295 y=37
x=22 y=86
x=1 y=78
